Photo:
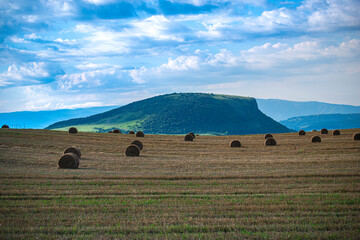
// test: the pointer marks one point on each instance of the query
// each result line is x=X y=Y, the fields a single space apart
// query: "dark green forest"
x=180 y=113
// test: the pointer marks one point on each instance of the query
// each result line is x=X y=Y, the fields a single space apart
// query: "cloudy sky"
x=58 y=54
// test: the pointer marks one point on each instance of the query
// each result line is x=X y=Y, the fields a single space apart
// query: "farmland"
x=177 y=189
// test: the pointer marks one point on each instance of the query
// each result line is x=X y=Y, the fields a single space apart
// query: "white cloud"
x=31 y=18
x=268 y=59
x=332 y=13
x=313 y=15
x=100 y=2
x=32 y=36
x=85 y=79
x=182 y=63
x=179 y=64
x=45 y=98
x=199 y=3
x=139 y=75
x=29 y=73
x=61 y=8
x=156 y=27
x=272 y=19
x=18 y=40
x=84 y=28
x=224 y=57
x=137 y=34
x=96 y=66
x=192 y=2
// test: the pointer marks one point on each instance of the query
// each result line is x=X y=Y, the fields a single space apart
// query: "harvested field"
x=179 y=190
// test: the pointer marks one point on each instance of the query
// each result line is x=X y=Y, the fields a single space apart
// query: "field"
x=179 y=190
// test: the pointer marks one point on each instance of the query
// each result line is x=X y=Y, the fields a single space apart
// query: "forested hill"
x=280 y=110
x=329 y=121
x=180 y=113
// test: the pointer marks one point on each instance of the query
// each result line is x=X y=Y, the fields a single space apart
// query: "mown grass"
x=126 y=126
x=179 y=190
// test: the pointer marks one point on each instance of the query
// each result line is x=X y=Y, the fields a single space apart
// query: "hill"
x=42 y=119
x=329 y=121
x=274 y=108
x=281 y=109
x=180 y=113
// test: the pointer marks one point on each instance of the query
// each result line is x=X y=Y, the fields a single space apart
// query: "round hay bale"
x=314 y=130
x=192 y=134
x=131 y=132
x=69 y=160
x=188 y=137
x=73 y=130
x=268 y=135
x=4 y=126
x=110 y=131
x=336 y=132
x=116 y=131
x=74 y=150
x=132 y=151
x=324 y=131
x=235 y=143
x=270 y=142
x=302 y=133
x=315 y=139
x=138 y=143
x=140 y=134
x=356 y=136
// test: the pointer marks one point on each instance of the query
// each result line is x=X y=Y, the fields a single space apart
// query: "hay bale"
x=132 y=151
x=356 y=136
x=138 y=143
x=314 y=130
x=110 y=131
x=268 y=135
x=315 y=139
x=235 y=143
x=324 y=131
x=302 y=133
x=69 y=160
x=131 y=132
x=188 y=137
x=73 y=130
x=270 y=142
x=336 y=132
x=140 y=134
x=116 y=131
x=192 y=134
x=4 y=126
x=74 y=150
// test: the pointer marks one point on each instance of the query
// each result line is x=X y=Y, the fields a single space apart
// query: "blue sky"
x=57 y=54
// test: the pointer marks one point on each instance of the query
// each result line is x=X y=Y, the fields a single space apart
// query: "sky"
x=58 y=54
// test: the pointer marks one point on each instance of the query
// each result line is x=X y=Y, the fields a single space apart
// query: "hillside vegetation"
x=281 y=110
x=179 y=190
x=180 y=113
x=329 y=121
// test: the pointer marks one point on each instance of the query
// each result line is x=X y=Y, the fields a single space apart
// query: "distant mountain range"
x=42 y=119
x=329 y=121
x=281 y=109
x=180 y=113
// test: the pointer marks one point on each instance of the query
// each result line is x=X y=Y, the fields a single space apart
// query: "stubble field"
x=177 y=189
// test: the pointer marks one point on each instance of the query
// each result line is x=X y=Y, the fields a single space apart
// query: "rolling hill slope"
x=180 y=113
x=329 y=121
x=282 y=109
